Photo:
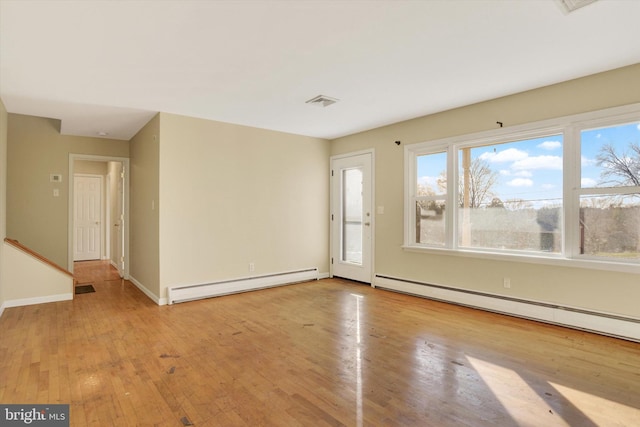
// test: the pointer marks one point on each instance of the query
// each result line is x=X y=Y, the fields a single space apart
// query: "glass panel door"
x=351 y=219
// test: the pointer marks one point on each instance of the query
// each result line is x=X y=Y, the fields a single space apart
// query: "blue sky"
x=532 y=169
x=592 y=140
x=528 y=170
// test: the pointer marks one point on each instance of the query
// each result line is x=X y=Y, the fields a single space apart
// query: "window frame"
x=570 y=127
x=579 y=191
x=410 y=233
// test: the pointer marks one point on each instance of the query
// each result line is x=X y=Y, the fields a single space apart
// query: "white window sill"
x=555 y=260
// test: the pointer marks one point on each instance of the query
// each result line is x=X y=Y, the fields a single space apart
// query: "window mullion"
x=608 y=190
x=571 y=197
x=452 y=196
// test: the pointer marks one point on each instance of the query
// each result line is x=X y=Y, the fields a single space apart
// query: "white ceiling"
x=109 y=66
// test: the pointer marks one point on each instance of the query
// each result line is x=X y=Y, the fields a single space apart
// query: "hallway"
x=94 y=272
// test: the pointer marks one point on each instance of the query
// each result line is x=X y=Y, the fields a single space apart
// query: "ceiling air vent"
x=569 y=6
x=322 y=101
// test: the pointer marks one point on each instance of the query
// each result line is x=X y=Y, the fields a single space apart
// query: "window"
x=510 y=195
x=561 y=189
x=431 y=199
x=610 y=191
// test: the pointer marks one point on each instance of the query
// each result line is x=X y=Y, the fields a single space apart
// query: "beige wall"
x=144 y=238
x=591 y=289
x=32 y=281
x=35 y=150
x=3 y=194
x=90 y=167
x=231 y=195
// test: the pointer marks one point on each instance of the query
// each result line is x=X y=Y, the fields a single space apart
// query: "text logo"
x=34 y=415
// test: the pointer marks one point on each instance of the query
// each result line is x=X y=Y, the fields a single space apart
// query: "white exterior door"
x=87 y=217
x=351 y=217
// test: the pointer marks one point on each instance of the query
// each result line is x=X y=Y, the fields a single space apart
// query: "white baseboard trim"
x=627 y=328
x=147 y=292
x=36 y=300
x=2 y=309
x=323 y=276
x=208 y=290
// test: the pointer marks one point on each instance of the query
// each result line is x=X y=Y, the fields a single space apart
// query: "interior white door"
x=87 y=217
x=351 y=217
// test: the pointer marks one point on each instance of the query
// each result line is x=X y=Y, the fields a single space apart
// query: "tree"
x=621 y=169
x=496 y=203
x=518 y=204
x=481 y=181
x=430 y=205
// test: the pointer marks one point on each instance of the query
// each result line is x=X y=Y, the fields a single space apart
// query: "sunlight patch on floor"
x=522 y=403
x=595 y=406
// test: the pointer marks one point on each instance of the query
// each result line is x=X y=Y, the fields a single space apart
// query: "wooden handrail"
x=34 y=254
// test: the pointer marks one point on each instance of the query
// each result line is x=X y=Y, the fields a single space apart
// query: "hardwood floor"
x=321 y=353
x=92 y=271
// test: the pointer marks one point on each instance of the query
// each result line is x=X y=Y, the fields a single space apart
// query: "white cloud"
x=588 y=182
x=550 y=145
x=548 y=186
x=638 y=126
x=522 y=173
x=429 y=181
x=508 y=155
x=520 y=182
x=587 y=162
x=538 y=162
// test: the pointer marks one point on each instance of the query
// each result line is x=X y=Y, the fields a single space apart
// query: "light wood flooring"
x=325 y=353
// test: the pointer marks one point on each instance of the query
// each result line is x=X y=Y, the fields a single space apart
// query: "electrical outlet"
x=507 y=282
x=252 y=267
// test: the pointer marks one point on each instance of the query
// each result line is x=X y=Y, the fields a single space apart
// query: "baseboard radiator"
x=627 y=328
x=215 y=289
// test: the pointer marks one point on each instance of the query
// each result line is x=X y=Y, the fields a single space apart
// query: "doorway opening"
x=109 y=239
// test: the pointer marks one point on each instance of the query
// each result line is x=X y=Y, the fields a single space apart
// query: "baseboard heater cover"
x=623 y=327
x=209 y=290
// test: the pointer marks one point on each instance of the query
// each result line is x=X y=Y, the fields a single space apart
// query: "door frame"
x=119 y=195
x=71 y=225
x=107 y=217
x=333 y=224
